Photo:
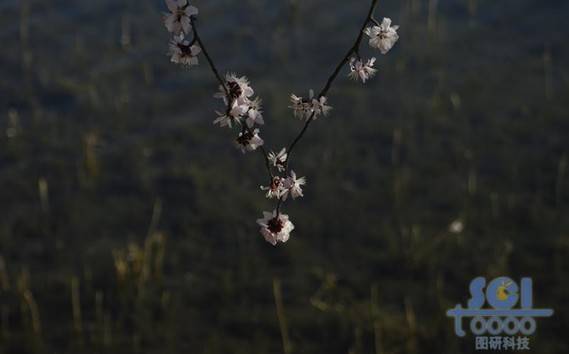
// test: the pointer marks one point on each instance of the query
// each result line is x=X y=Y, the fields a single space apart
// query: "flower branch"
x=212 y=66
x=244 y=111
x=246 y=130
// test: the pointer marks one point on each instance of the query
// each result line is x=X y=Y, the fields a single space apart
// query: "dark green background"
x=467 y=119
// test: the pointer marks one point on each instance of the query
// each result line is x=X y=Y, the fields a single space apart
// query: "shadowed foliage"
x=127 y=221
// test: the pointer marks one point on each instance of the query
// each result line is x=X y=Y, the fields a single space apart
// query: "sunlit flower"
x=278 y=160
x=276 y=189
x=179 y=18
x=384 y=36
x=238 y=110
x=275 y=227
x=294 y=185
x=309 y=108
x=254 y=113
x=299 y=106
x=221 y=95
x=181 y=52
x=361 y=70
x=224 y=120
x=319 y=106
x=239 y=88
x=231 y=116
x=249 y=140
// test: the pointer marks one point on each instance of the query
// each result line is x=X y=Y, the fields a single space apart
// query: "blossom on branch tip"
x=382 y=37
x=179 y=19
x=278 y=160
x=249 y=140
x=293 y=186
x=182 y=52
x=275 y=227
x=360 y=70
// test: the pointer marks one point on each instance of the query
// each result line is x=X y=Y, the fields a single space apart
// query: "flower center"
x=234 y=89
x=186 y=49
x=275 y=225
x=244 y=138
x=275 y=183
x=180 y=13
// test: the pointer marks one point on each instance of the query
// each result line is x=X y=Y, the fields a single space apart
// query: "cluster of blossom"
x=241 y=110
x=179 y=22
x=310 y=108
x=281 y=187
x=382 y=36
x=244 y=111
x=276 y=226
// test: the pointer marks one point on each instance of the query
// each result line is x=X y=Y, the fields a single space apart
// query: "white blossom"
x=221 y=95
x=275 y=227
x=309 y=108
x=249 y=140
x=319 y=106
x=299 y=106
x=232 y=115
x=276 y=189
x=181 y=52
x=179 y=18
x=238 y=88
x=361 y=70
x=224 y=120
x=237 y=110
x=294 y=185
x=278 y=160
x=254 y=113
x=384 y=36
x=236 y=93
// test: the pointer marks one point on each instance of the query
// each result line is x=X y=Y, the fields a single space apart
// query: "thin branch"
x=375 y=22
x=298 y=137
x=222 y=83
x=208 y=58
x=354 y=49
x=261 y=149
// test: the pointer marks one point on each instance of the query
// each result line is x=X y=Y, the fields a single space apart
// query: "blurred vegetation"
x=128 y=221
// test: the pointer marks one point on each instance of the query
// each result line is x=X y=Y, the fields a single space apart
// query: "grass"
x=128 y=220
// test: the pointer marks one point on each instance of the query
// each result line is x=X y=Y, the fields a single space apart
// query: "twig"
x=222 y=83
x=208 y=58
x=353 y=49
